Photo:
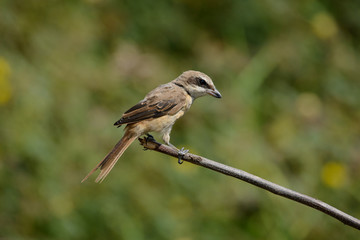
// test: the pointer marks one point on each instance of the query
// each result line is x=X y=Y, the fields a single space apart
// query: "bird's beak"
x=214 y=93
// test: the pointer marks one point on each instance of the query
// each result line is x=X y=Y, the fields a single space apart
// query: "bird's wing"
x=164 y=100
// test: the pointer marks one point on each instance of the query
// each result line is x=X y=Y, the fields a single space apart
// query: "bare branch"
x=254 y=180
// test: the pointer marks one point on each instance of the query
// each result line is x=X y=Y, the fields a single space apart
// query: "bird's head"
x=197 y=84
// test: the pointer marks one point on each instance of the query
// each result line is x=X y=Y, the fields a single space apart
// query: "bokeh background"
x=290 y=113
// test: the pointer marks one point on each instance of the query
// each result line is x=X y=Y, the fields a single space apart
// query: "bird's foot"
x=149 y=138
x=181 y=154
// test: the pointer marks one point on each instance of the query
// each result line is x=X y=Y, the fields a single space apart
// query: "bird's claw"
x=149 y=138
x=181 y=154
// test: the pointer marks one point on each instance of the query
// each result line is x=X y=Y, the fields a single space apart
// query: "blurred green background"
x=290 y=113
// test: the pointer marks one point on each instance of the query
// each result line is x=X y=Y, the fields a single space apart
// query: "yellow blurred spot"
x=283 y=131
x=324 y=25
x=334 y=174
x=309 y=106
x=5 y=87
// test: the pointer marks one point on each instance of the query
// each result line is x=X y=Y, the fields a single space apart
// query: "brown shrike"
x=157 y=112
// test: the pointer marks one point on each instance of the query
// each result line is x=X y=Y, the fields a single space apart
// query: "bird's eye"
x=202 y=82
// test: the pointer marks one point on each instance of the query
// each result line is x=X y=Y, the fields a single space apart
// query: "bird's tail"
x=109 y=161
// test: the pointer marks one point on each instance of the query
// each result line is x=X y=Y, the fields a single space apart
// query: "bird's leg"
x=181 y=152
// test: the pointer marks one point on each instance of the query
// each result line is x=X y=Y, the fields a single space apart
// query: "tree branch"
x=151 y=144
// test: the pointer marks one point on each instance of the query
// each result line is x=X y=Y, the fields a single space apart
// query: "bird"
x=157 y=112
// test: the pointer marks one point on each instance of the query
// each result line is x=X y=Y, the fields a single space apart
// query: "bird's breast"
x=156 y=124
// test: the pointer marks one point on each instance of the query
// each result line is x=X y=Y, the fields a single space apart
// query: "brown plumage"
x=157 y=112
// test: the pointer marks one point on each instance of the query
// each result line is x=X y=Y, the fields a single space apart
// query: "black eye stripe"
x=202 y=82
